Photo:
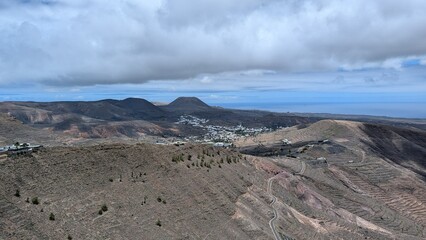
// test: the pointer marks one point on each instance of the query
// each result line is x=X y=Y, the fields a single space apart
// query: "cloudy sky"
x=352 y=56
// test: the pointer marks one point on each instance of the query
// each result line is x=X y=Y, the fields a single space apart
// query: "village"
x=220 y=136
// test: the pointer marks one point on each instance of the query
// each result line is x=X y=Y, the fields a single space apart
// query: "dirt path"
x=302 y=170
x=274 y=199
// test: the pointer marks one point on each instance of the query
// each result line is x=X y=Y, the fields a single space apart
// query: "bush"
x=158 y=199
x=104 y=208
x=158 y=223
x=100 y=212
x=69 y=237
x=111 y=180
x=17 y=193
x=35 y=200
x=52 y=217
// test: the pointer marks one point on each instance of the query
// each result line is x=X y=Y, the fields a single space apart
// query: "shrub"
x=164 y=201
x=158 y=223
x=158 y=199
x=52 y=217
x=17 y=193
x=69 y=237
x=27 y=200
x=104 y=208
x=100 y=212
x=189 y=157
x=35 y=200
x=111 y=180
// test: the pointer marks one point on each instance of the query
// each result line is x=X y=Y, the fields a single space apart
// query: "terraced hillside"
x=366 y=187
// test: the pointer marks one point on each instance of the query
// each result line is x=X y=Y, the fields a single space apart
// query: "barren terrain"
x=124 y=179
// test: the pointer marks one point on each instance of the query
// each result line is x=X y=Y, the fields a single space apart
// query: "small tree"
x=35 y=200
x=52 y=217
x=104 y=208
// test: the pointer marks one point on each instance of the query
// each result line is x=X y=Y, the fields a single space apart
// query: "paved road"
x=274 y=199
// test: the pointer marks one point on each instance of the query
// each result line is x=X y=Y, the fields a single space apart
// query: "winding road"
x=274 y=199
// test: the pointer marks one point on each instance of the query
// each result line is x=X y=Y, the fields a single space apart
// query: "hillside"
x=13 y=130
x=341 y=188
x=142 y=187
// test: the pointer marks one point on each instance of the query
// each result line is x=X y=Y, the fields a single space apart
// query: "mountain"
x=134 y=117
x=187 y=105
x=110 y=110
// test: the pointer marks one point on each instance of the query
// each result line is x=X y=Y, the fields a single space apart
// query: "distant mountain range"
x=132 y=117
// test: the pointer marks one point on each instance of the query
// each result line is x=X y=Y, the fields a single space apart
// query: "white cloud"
x=76 y=42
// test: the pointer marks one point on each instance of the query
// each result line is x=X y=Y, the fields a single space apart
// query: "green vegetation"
x=35 y=200
x=52 y=217
x=104 y=208
x=178 y=158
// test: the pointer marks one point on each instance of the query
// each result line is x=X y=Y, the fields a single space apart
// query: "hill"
x=13 y=130
x=187 y=105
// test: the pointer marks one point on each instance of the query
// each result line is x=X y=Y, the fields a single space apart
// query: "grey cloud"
x=76 y=42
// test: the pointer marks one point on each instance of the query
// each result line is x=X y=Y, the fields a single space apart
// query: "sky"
x=352 y=56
